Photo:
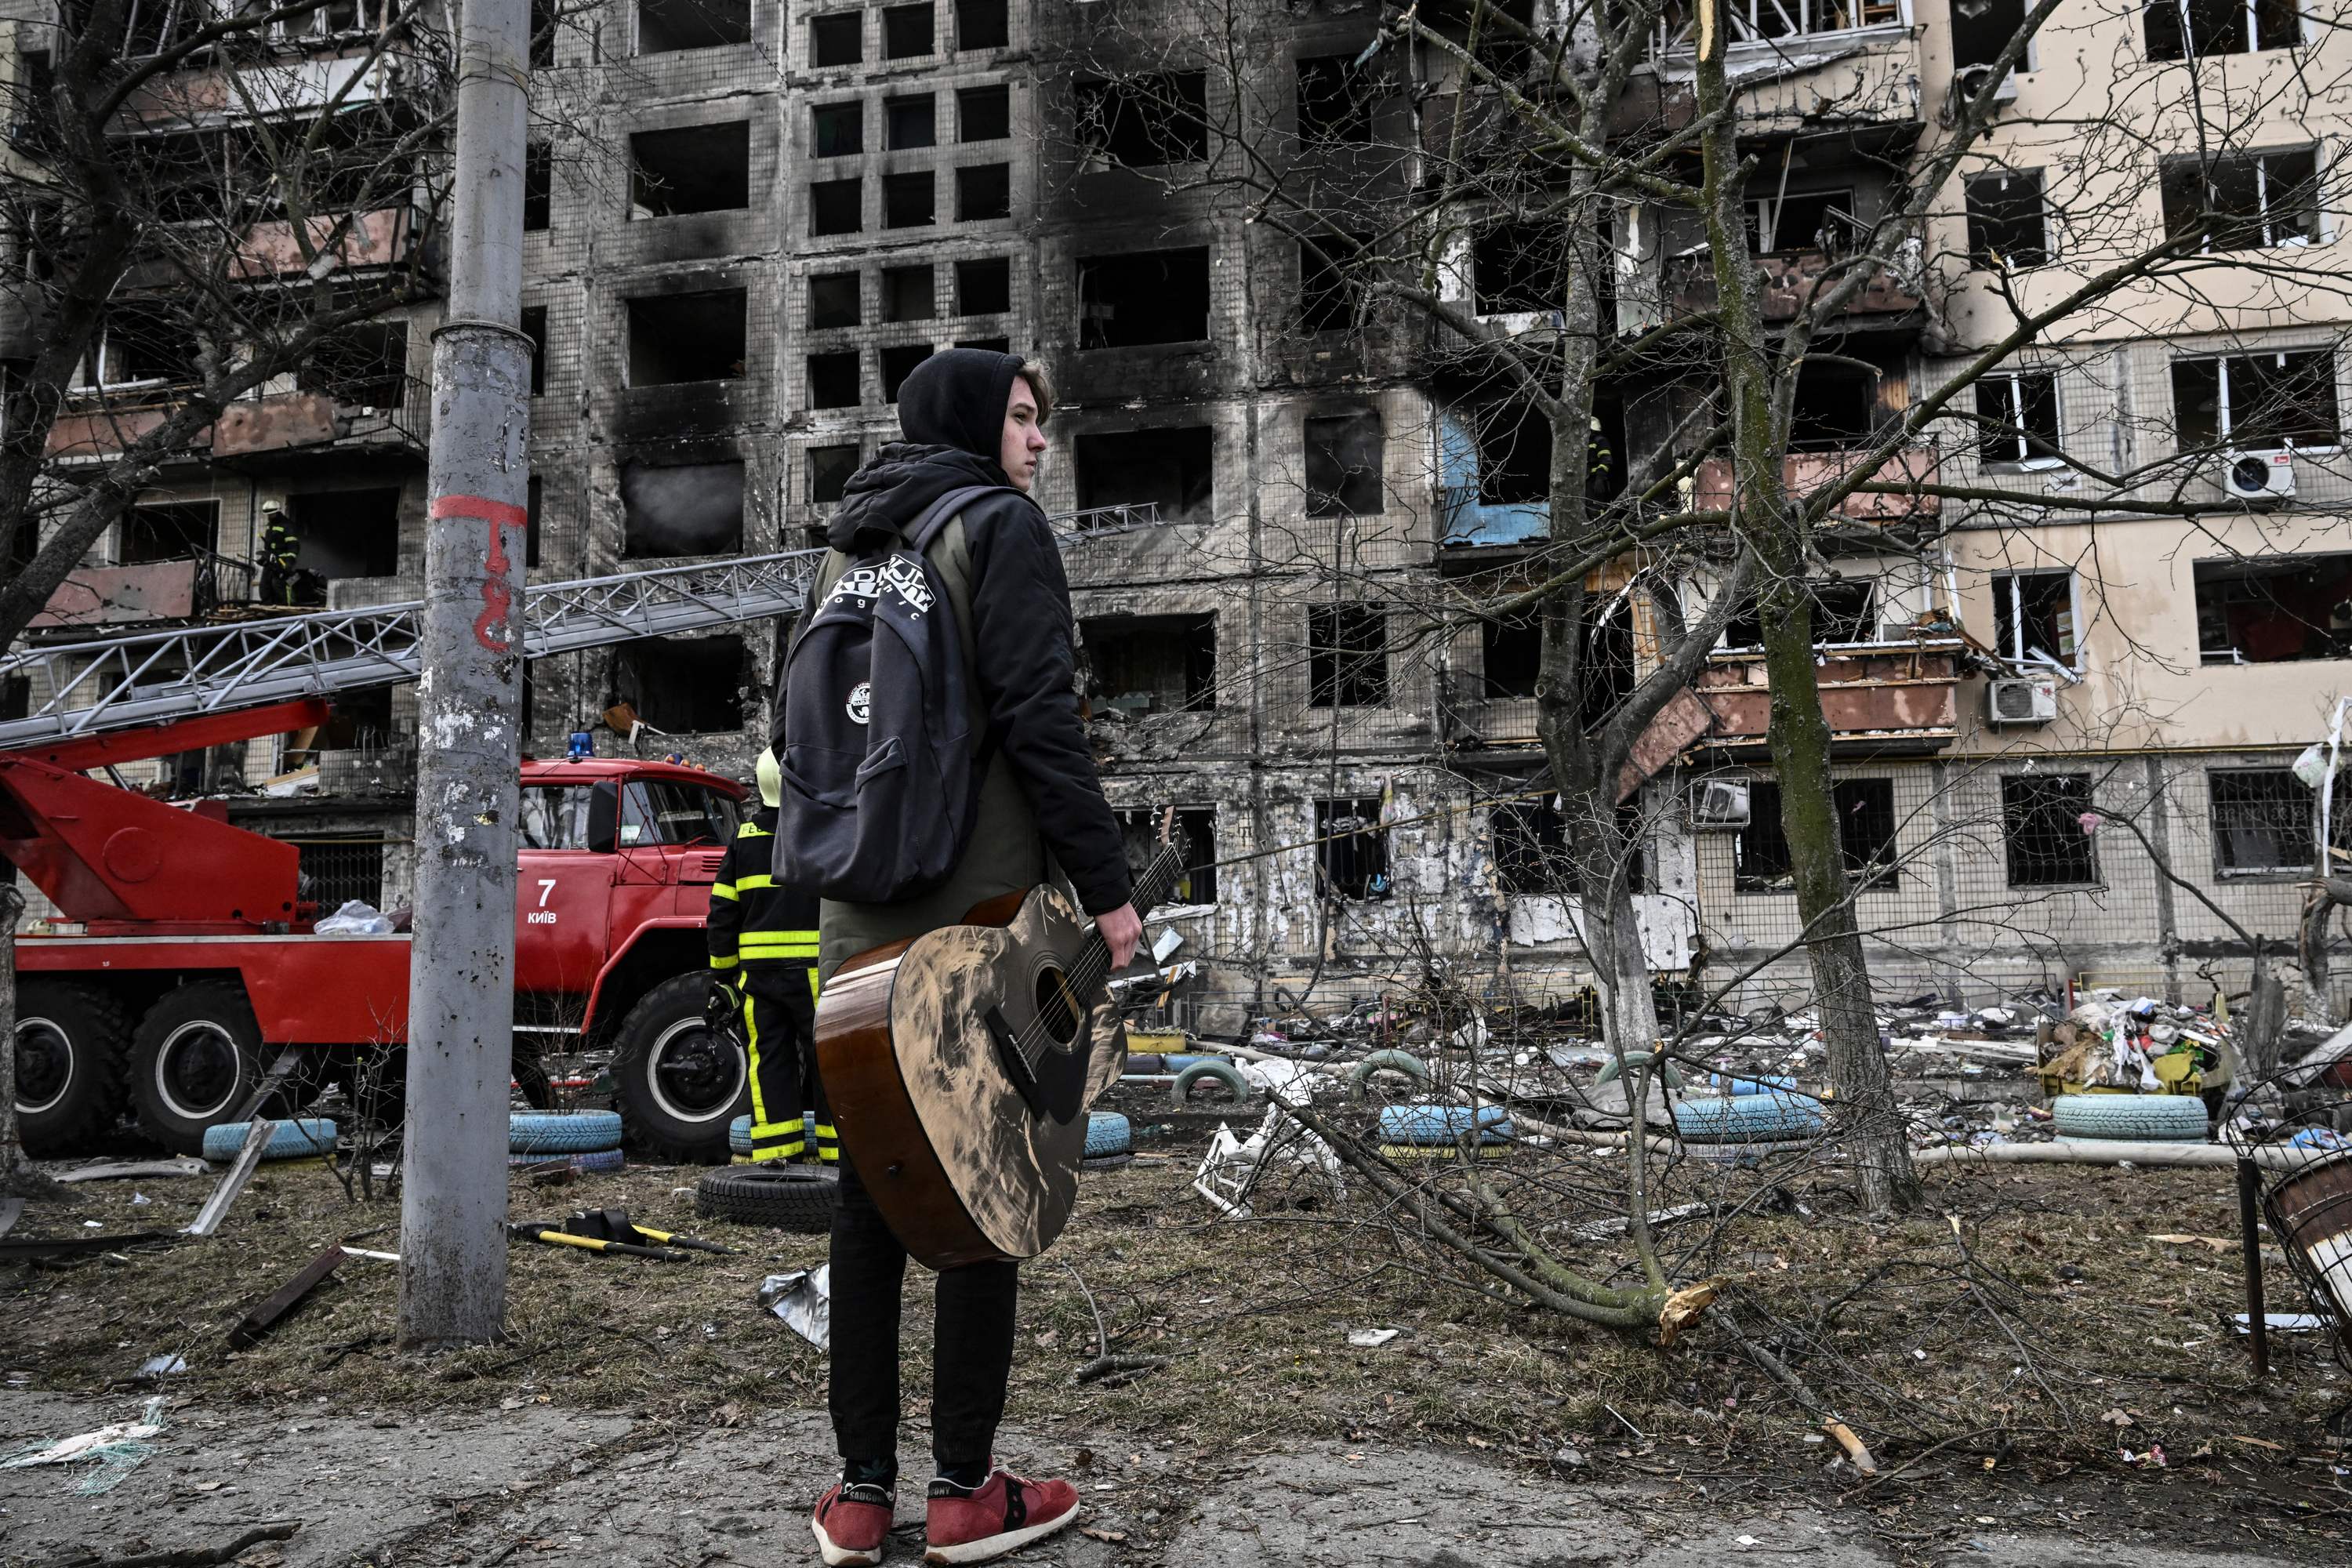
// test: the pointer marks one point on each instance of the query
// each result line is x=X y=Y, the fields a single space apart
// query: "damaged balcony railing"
x=1106 y=518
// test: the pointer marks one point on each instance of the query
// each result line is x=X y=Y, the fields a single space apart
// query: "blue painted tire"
x=1212 y=1067
x=1771 y=1083
x=1749 y=1118
x=593 y=1160
x=291 y=1141
x=1107 y=1133
x=2132 y=1118
x=1609 y=1069
x=1442 y=1126
x=738 y=1136
x=562 y=1132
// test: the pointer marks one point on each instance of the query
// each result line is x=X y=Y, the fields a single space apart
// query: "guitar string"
x=1093 y=965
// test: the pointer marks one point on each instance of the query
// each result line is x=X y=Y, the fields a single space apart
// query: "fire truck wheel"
x=676 y=1084
x=193 y=1059
x=69 y=1048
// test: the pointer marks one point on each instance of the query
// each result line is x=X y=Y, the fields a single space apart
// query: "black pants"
x=972 y=1354
x=789 y=1119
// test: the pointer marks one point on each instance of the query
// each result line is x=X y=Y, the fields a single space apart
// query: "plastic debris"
x=1371 y=1339
x=803 y=1300
x=356 y=918
x=119 y=1450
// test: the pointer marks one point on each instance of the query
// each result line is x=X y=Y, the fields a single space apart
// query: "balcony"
x=188 y=589
x=263 y=90
x=1808 y=473
x=287 y=422
x=379 y=239
x=1879 y=697
x=1795 y=67
x=1791 y=280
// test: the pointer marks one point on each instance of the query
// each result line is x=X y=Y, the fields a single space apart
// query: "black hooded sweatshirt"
x=952 y=409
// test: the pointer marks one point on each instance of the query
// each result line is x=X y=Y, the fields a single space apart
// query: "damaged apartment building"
x=747 y=220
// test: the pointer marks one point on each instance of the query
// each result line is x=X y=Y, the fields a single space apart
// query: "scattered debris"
x=119 y=1450
x=1851 y=1445
x=1371 y=1339
x=16 y=1249
x=112 y=1170
x=803 y=1300
x=158 y=1367
x=257 y=1135
x=193 y=1556
x=264 y=1314
x=556 y=1235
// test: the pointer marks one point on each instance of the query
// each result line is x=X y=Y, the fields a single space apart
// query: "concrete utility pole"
x=453 y=1251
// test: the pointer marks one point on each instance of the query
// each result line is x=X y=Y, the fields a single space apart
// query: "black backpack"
x=881 y=772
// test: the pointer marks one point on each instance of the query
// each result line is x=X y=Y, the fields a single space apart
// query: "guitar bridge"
x=1016 y=1065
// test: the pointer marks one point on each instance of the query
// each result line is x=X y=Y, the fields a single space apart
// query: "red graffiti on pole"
x=497 y=597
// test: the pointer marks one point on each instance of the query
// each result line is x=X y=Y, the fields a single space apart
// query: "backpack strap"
x=942 y=511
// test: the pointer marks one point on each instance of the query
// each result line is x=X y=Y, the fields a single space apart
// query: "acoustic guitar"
x=959 y=1064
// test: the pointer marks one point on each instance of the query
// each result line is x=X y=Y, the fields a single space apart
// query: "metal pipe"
x=2250 y=1241
x=2270 y=1156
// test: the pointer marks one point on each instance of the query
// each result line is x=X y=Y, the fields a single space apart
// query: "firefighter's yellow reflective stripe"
x=753 y=830
x=783 y=1129
x=751 y=1050
x=772 y=951
x=829 y=1154
x=780 y=1151
x=724 y=890
x=813 y=983
x=804 y=936
x=756 y=880
x=825 y=1132
x=721 y=960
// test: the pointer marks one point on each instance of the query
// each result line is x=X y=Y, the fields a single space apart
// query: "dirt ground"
x=2024 y=1388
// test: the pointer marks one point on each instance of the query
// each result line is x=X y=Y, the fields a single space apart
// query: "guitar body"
x=958 y=1065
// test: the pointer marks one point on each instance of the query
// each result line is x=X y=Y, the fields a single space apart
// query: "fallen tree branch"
x=190 y=1556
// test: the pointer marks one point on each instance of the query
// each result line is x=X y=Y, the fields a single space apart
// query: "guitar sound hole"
x=1054 y=1007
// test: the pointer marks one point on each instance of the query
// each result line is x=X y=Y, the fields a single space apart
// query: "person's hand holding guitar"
x=1121 y=930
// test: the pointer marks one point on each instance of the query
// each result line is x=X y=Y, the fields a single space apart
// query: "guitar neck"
x=1092 y=961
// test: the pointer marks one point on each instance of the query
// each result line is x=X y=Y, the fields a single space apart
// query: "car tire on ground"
x=592 y=1161
x=782 y=1197
x=1216 y=1070
x=1749 y=1118
x=1109 y=1133
x=311 y=1136
x=71 y=1042
x=2139 y=1118
x=677 y=1084
x=561 y=1131
x=194 y=1058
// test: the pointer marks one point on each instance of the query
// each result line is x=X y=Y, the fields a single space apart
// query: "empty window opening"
x=898 y=362
x=681 y=509
x=2009 y=224
x=140 y=345
x=534 y=327
x=991 y=345
x=1837 y=407
x=910 y=122
x=1606 y=671
x=1330 y=284
x=2043 y=836
x=833 y=301
x=1519 y=266
x=836 y=207
x=2185 y=29
x=2264 y=822
x=1530 y=847
x=829 y=469
x=1196 y=833
x=364 y=365
x=2255 y=402
x=1145 y=121
x=2017 y=417
x=907 y=32
x=1801 y=220
x=1844 y=611
x=2033 y=615
x=538 y=186
x=179 y=530
x=1511 y=652
x=694 y=169
x=1866 y=813
x=531 y=497
x=833 y=380
x=981 y=23
x=983 y=113
x=664 y=26
x=682 y=686
x=1514 y=456
x=838 y=39
x=1336 y=99
x=347 y=534
x=837 y=129
x=1351 y=848
x=1981 y=30
x=908 y=294
x=1343 y=465
x=1169 y=470
x=1147 y=297
x=2272 y=609
x=983 y=191
x=1346 y=656
x=984 y=288
x=543 y=19
x=2243 y=201
x=910 y=201
x=1750 y=19
x=1141 y=665
x=686 y=337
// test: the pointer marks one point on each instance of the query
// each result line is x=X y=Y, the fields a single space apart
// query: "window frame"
x=1980 y=260
x=1354 y=670
x=2008 y=586
x=2014 y=428
x=1379 y=881
x=2204 y=170
x=2222 y=870
x=2014 y=809
x=2225 y=437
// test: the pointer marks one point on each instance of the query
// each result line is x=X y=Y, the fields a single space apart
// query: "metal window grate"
x=2044 y=831
x=334 y=872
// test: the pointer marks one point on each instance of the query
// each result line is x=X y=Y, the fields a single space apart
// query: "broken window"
x=837 y=129
x=141 y=344
x=833 y=380
x=836 y=207
x=987 y=345
x=686 y=337
x=664 y=26
x=1196 y=833
x=1351 y=848
x=530 y=509
x=983 y=113
x=1145 y=121
x=2243 y=201
x=1981 y=30
x=910 y=201
x=2185 y=29
x=1331 y=291
x=1801 y=220
x=682 y=686
x=907 y=32
x=1144 y=297
x=829 y=469
x=898 y=362
x=538 y=186
x=534 y=327
x=1517 y=267
x=1512 y=654
x=365 y=364
x=681 y=509
x=833 y=301
x=1607 y=671
x=2255 y=402
x=2033 y=615
x=178 y=531
x=910 y=121
x=1336 y=99
x=1346 y=656
x=2270 y=609
x=908 y=294
x=838 y=39
x=2262 y=821
x=1530 y=844
x=1835 y=407
x=693 y=169
x=983 y=287
x=2043 y=835
x=1343 y=465
x=347 y=534
x=1865 y=811
x=2017 y=417
x=2008 y=226
x=981 y=23
x=983 y=191
x=543 y=20
x=1759 y=19
x=1171 y=470
x=1151 y=663
x=1514 y=456
x=1843 y=612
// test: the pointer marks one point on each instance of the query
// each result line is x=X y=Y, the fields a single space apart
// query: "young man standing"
x=970 y=418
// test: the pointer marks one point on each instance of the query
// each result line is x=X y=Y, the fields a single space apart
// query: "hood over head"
x=956 y=398
x=896 y=487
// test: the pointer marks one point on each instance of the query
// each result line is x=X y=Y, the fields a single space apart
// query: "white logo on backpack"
x=861 y=702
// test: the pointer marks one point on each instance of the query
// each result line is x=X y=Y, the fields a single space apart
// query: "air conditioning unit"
x=2030 y=699
x=2259 y=477
x=1969 y=81
x=1719 y=803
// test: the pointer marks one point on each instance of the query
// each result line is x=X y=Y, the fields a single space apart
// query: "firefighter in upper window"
x=763 y=982
x=279 y=549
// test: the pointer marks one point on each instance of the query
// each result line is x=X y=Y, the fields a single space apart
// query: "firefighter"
x=763 y=981
x=279 y=549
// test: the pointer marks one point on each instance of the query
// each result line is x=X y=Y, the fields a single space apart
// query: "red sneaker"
x=1003 y=1513
x=853 y=1524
